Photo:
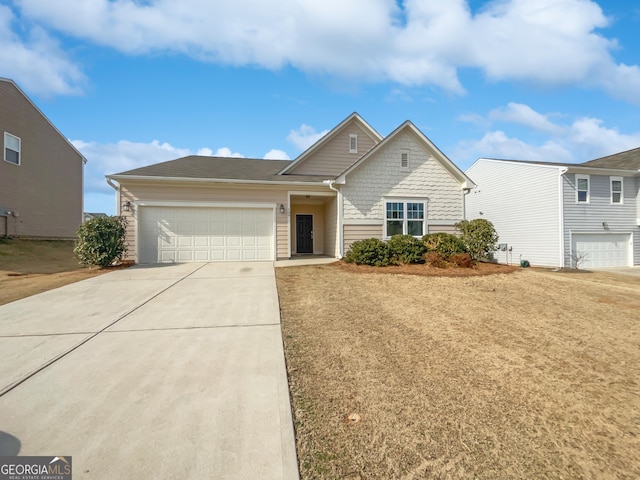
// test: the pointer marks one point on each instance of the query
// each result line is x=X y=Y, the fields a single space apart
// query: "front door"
x=304 y=233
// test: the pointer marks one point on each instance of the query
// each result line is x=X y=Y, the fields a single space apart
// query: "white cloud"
x=37 y=64
x=223 y=152
x=305 y=136
x=275 y=154
x=525 y=115
x=578 y=141
x=109 y=158
x=547 y=42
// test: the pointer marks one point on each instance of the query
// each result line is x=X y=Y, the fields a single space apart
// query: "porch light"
x=281 y=208
x=126 y=206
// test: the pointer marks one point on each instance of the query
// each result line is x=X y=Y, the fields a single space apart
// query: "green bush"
x=445 y=244
x=479 y=236
x=406 y=249
x=369 y=252
x=101 y=241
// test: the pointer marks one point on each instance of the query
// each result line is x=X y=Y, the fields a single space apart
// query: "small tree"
x=479 y=236
x=101 y=241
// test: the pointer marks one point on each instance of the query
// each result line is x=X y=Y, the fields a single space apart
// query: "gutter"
x=561 y=174
x=121 y=178
x=117 y=189
x=338 y=216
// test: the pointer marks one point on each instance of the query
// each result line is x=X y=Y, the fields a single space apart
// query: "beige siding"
x=381 y=176
x=331 y=230
x=334 y=158
x=360 y=232
x=208 y=193
x=46 y=188
x=443 y=229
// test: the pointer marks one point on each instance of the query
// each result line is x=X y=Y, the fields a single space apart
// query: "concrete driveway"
x=151 y=372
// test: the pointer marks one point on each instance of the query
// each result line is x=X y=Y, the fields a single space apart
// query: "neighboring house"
x=40 y=172
x=90 y=216
x=352 y=184
x=560 y=215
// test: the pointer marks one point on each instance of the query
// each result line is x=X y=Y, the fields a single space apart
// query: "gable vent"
x=353 y=143
x=404 y=160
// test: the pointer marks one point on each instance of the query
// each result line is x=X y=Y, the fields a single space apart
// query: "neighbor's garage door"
x=603 y=250
x=205 y=234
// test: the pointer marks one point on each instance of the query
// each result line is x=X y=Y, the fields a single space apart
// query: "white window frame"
x=405 y=219
x=353 y=143
x=19 y=151
x=621 y=192
x=588 y=179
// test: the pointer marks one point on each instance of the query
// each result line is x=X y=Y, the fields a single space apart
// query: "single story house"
x=562 y=215
x=352 y=184
x=40 y=171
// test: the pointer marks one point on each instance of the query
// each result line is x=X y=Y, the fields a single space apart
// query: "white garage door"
x=205 y=234
x=603 y=250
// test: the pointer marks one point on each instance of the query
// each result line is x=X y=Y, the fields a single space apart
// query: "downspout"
x=117 y=189
x=338 y=216
x=562 y=171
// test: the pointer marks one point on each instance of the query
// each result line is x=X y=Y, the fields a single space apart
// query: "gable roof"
x=458 y=174
x=195 y=167
x=625 y=163
x=629 y=160
x=15 y=85
x=331 y=135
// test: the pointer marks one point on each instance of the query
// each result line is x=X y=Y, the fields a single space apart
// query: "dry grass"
x=527 y=375
x=28 y=267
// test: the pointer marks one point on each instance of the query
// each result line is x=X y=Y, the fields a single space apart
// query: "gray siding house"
x=352 y=184
x=562 y=215
x=40 y=172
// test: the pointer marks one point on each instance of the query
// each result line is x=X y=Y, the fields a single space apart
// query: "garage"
x=205 y=234
x=602 y=249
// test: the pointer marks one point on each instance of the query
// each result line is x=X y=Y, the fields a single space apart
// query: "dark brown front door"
x=304 y=233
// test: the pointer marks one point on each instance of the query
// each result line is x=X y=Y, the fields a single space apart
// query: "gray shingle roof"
x=629 y=160
x=221 y=168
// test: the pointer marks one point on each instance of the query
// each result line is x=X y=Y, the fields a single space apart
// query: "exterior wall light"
x=126 y=206
x=281 y=208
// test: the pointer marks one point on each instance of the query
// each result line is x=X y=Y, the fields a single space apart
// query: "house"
x=91 y=215
x=352 y=184
x=562 y=215
x=40 y=172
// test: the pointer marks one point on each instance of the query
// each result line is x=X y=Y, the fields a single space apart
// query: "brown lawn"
x=28 y=267
x=532 y=374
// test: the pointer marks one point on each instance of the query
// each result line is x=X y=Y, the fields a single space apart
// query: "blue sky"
x=136 y=82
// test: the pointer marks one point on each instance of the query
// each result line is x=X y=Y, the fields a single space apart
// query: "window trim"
x=353 y=139
x=405 y=219
x=588 y=179
x=616 y=179
x=5 y=147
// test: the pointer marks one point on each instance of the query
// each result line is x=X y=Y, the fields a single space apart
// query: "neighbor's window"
x=616 y=189
x=582 y=188
x=353 y=143
x=404 y=218
x=11 y=148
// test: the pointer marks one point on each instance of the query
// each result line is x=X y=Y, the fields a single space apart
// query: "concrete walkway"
x=151 y=372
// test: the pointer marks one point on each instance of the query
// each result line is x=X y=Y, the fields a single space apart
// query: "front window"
x=405 y=218
x=11 y=148
x=616 y=190
x=582 y=188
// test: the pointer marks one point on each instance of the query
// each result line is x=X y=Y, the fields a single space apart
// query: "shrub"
x=445 y=244
x=479 y=236
x=406 y=249
x=436 y=260
x=101 y=241
x=462 y=260
x=369 y=252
